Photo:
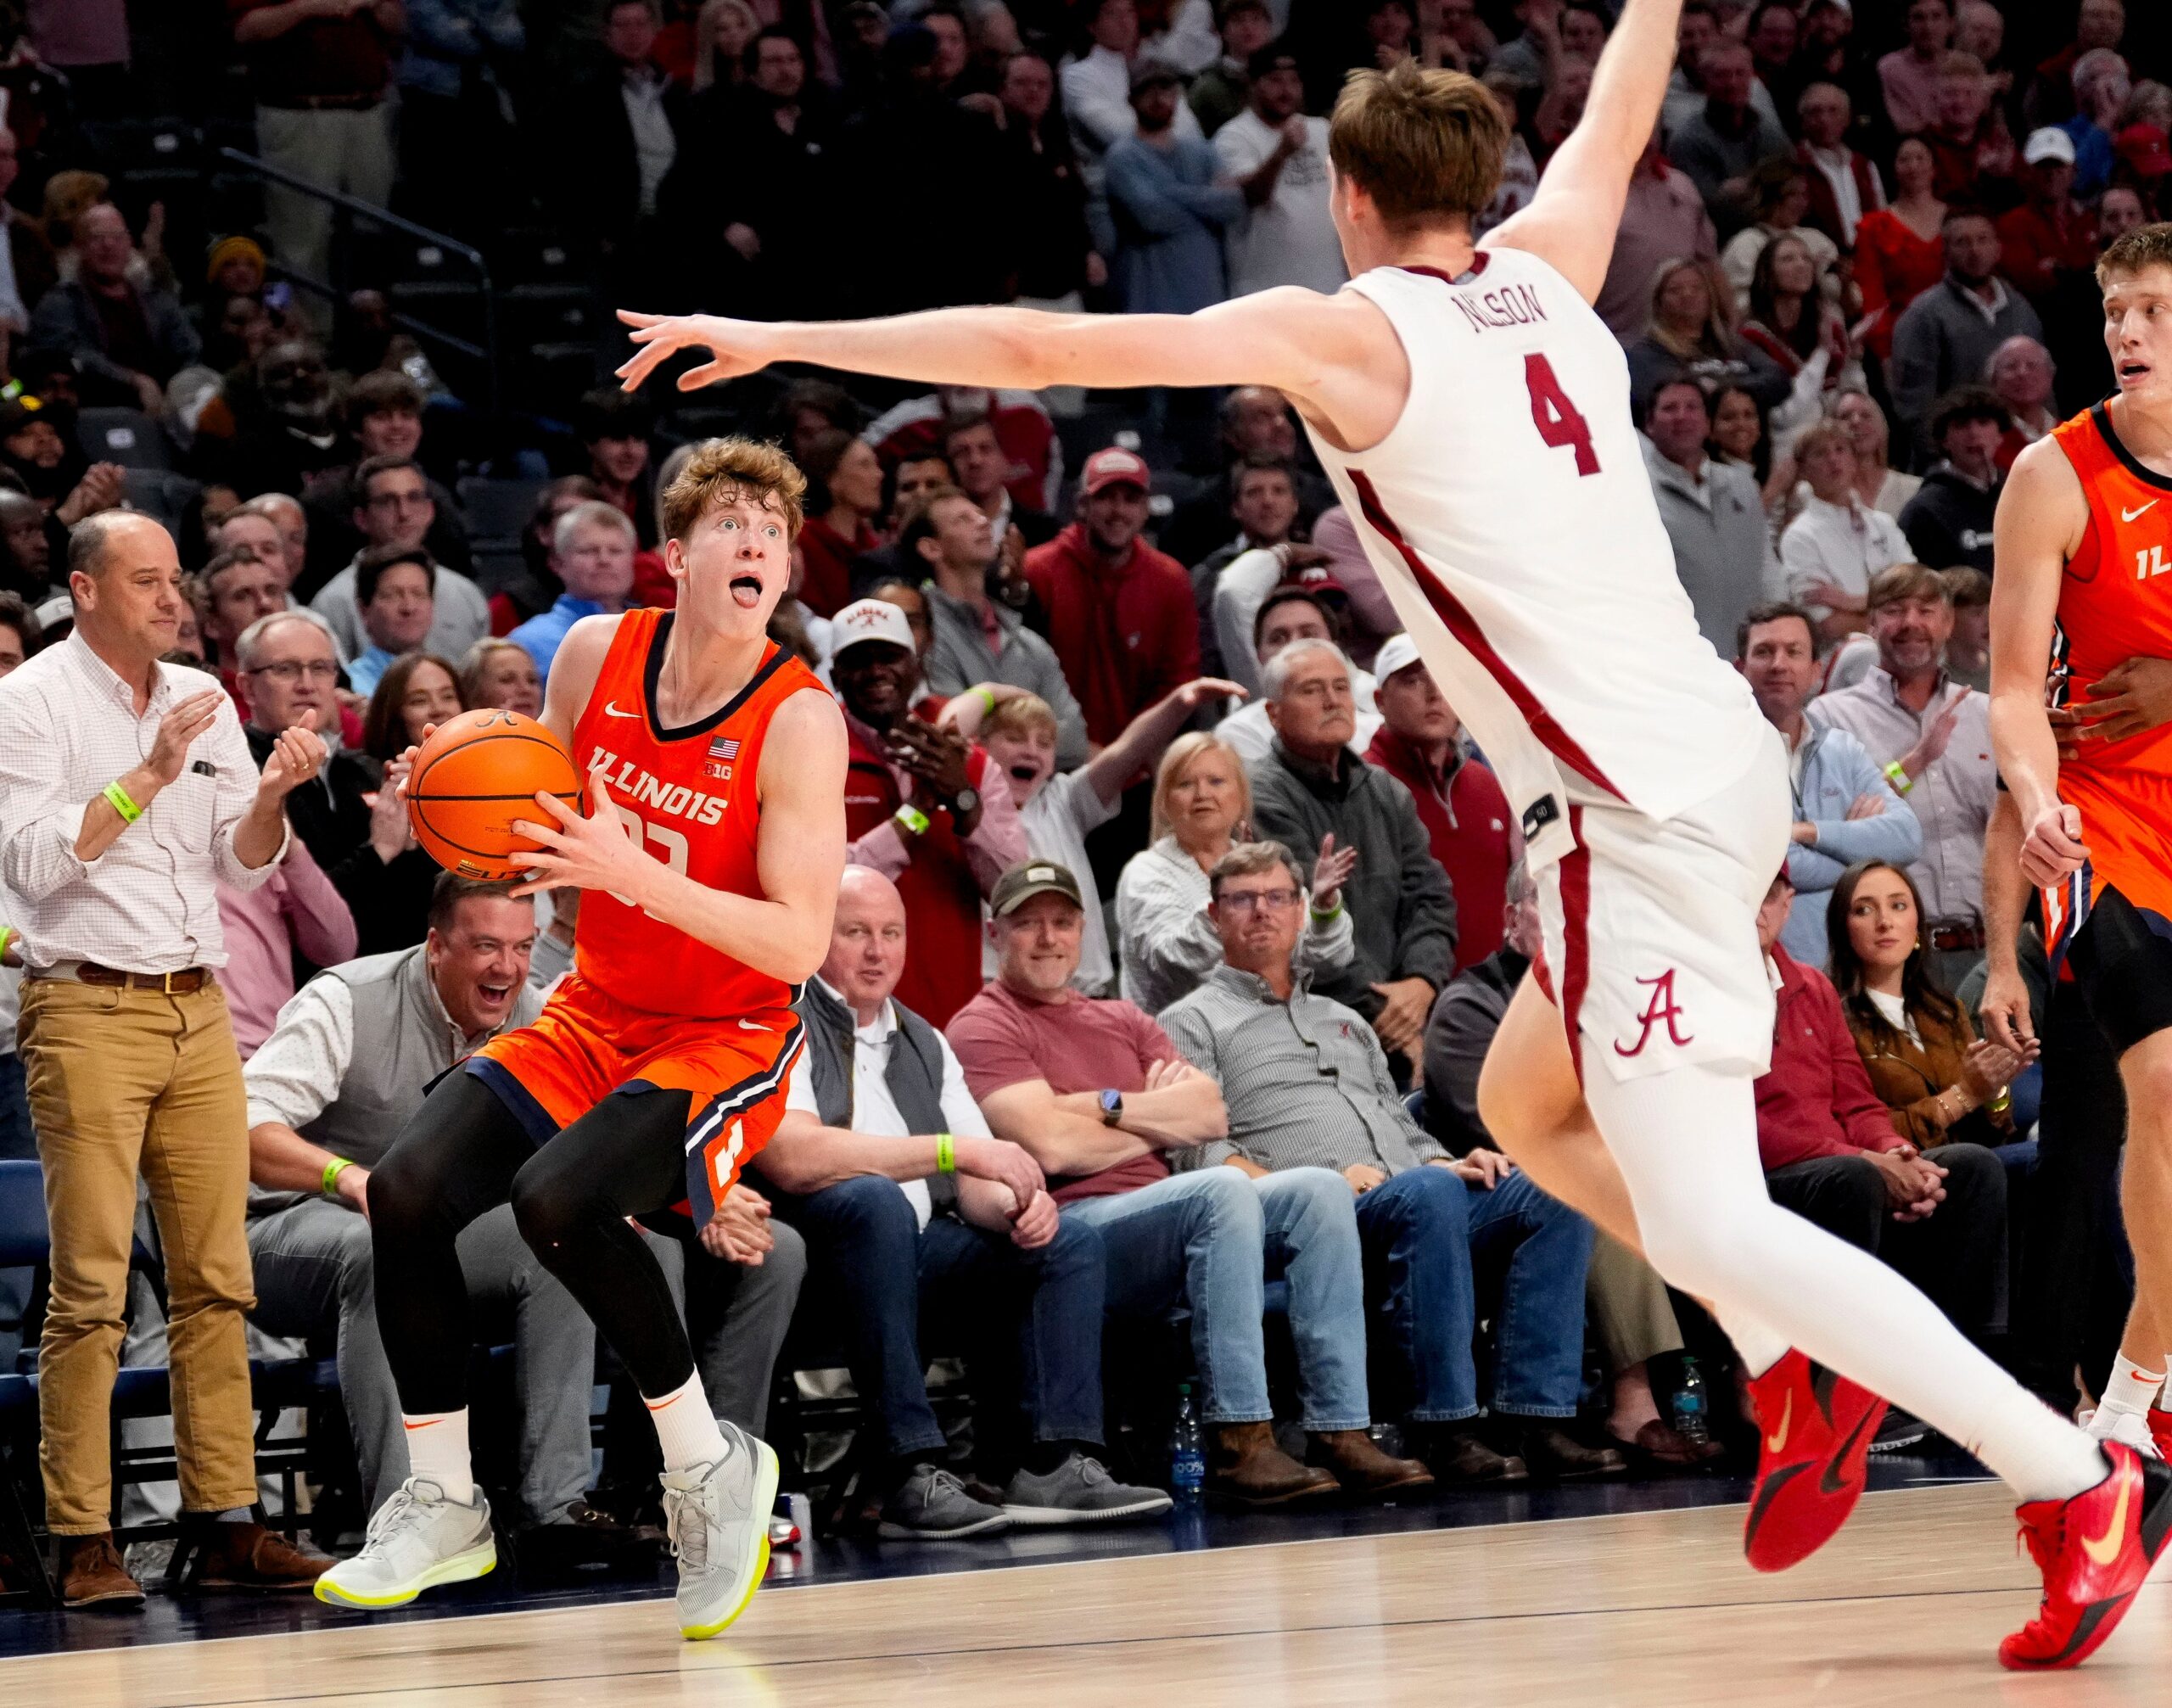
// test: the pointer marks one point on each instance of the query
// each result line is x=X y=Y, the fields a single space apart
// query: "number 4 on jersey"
x=1558 y=424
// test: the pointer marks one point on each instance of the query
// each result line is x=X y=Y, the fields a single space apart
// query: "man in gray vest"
x=884 y=1164
x=348 y=1062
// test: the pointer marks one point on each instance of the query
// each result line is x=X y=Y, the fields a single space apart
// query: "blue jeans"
x=1210 y=1240
x=1032 y=1319
x=1423 y=1232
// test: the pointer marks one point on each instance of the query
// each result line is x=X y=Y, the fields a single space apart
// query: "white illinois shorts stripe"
x=1650 y=927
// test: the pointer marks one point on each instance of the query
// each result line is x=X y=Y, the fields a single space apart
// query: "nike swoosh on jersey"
x=2105 y=1548
x=2127 y=515
x=611 y=710
x=751 y=1026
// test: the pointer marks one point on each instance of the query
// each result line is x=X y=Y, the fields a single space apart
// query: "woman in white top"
x=1829 y=552
x=1202 y=808
x=1879 y=484
x=1058 y=813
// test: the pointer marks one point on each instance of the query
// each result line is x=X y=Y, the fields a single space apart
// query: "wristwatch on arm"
x=1112 y=1109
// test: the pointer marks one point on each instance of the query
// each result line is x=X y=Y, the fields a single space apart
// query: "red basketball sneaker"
x=1814 y=1429
x=2094 y=1551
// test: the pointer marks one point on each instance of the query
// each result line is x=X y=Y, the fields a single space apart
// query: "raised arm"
x=1337 y=357
x=2041 y=517
x=1571 y=222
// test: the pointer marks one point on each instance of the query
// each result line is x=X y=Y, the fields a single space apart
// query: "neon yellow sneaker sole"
x=461 y=1568
x=765 y=1499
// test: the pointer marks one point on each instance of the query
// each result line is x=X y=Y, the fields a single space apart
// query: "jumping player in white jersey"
x=1473 y=412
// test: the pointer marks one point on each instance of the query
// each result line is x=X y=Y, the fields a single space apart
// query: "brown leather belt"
x=1954 y=938
x=182 y=982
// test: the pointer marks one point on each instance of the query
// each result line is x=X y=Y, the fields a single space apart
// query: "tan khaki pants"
x=123 y=1083
x=1630 y=1316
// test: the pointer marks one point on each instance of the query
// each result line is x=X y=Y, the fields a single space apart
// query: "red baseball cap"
x=2145 y=149
x=1115 y=466
x=1316 y=579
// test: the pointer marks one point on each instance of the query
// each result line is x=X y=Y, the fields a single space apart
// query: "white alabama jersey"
x=1510 y=519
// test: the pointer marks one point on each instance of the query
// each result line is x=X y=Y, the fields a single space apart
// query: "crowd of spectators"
x=1179 y=904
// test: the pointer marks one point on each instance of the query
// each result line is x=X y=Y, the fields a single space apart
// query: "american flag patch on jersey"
x=723 y=748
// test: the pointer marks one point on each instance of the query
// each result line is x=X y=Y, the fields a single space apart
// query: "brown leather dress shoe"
x=1660 y=1443
x=1245 y=1465
x=1556 y=1456
x=90 y=1573
x=1457 y=1456
x=248 y=1556
x=1360 y=1466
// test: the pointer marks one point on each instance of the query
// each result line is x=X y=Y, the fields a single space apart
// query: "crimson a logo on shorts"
x=1659 y=1010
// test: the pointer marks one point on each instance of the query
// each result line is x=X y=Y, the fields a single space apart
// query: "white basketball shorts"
x=1650 y=926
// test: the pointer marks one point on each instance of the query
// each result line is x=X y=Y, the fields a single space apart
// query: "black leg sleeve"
x=626 y=1158
x=455 y=1159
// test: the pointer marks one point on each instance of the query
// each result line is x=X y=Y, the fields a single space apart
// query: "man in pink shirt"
x=1909 y=75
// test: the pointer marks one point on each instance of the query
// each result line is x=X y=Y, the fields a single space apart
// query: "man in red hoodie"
x=1121 y=616
x=1459 y=801
x=1831 y=1155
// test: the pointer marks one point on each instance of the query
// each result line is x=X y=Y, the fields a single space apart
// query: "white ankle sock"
x=437 y=1448
x=2130 y=1388
x=685 y=1428
x=1759 y=1346
x=2041 y=1456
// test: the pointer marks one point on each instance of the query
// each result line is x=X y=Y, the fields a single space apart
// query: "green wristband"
x=6 y=936
x=1899 y=778
x=987 y=697
x=946 y=1154
x=912 y=818
x=117 y=798
x=333 y=1170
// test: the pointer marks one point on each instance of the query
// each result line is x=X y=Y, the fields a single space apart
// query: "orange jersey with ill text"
x=688 y=796
x=2115 y=603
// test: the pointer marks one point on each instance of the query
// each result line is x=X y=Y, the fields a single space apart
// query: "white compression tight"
x=1686 y=1142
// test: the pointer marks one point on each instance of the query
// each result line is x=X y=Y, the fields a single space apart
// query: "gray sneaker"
x=932 y=1505
x=719 y=1517
x=417 y=1540
x=1079 y=1491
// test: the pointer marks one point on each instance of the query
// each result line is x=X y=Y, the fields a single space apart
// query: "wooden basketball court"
x=1651 y=1609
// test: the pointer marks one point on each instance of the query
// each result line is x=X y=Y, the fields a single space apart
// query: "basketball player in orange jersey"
x=710 y=859
x=1473 y=412
x=2083 y=583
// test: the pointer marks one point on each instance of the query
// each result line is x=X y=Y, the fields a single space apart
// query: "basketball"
x=476 y=775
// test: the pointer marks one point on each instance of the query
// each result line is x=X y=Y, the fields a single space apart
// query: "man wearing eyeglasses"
x=288 y=669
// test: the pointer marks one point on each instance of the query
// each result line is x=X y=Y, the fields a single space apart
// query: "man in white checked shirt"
x=127 y=795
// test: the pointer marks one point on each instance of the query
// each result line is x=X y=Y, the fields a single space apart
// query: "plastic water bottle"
x=1187 y=1461
x=1691 y=1405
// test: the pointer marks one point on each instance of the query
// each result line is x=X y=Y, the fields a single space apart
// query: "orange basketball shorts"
x=586 y=1045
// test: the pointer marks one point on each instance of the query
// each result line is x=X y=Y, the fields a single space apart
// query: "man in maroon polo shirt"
x=1468 y=823
x=1121 y=616
x=923 y=806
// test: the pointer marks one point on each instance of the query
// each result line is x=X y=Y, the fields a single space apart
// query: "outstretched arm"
x=2041 y=515
x=1571 y=222
x=1335 y=356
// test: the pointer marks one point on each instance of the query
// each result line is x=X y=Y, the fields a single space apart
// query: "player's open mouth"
x=747 y=592
x=2134 y=370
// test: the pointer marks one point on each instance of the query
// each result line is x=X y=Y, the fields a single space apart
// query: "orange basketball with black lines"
x=476 y=775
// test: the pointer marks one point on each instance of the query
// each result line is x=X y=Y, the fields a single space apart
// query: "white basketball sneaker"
x=2128 y=1428
x=418 y=1540
x=718 y=1516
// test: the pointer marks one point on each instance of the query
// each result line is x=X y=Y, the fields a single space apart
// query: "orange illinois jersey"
x=2115 y=603
x=688 y=796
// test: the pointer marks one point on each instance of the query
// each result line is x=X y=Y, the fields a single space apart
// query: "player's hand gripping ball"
x=474 y=778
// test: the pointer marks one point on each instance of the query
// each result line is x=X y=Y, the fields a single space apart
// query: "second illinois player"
x=711 y=856
x=2083 y=597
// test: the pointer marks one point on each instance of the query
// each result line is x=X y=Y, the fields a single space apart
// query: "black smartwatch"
x=966 y=802
x=1112 y=1108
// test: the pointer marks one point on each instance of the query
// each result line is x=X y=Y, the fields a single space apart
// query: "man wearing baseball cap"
x=1121 y=616
x=1460 y=802
x=923 y=806
x=2049 y=231
x=1278 y=156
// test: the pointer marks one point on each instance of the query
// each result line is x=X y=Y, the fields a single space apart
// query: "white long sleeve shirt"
x=150 y=903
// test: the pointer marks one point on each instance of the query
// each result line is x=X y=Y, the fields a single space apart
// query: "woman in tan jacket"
x=1940 y=1082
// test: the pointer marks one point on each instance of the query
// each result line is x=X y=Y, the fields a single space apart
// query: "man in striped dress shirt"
x=1306 y=1086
